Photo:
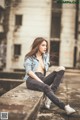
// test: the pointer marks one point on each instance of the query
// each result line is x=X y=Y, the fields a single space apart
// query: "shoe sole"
x=71 y=113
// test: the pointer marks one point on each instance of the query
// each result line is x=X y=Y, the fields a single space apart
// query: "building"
x=28 y=19
x=58 y=23
x=2 y=36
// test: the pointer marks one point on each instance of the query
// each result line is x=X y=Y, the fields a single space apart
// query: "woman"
x=36 y=65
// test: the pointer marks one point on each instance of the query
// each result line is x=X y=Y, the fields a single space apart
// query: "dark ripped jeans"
x=49 y=87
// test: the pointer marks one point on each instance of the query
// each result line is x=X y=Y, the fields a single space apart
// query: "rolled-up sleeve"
x=48 y=59
x=27 y=65
x=47 y=63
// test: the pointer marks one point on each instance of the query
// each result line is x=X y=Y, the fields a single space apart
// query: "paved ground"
x=69 y=92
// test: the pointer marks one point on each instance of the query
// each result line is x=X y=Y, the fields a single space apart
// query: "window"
x=56 y=25
x=56 y=4
x=18 y=20
x=17 y=50
x=54 y=52
x=56 y=19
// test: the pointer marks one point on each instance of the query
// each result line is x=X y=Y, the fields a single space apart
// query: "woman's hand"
x=34 y=76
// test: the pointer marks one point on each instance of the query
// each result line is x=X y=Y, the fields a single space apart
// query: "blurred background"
x=21 y=21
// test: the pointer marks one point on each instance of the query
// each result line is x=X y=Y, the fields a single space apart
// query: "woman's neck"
x=38 y=54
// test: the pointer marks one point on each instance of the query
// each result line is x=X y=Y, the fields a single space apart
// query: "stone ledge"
x=21 y=103
x=11 y=80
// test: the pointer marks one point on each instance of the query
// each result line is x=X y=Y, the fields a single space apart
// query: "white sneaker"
x=48 y=103
x=69 y=110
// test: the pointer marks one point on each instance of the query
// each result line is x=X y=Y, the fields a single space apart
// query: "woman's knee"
x=60 y=68
x=47 y=88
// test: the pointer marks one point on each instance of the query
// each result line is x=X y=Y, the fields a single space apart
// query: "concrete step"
x=11 y=80
x=73 y=70
x=12 y=75
x=8 y=84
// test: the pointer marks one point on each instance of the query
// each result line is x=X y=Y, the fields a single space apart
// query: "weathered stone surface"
x=23 y=104
x=20 y=103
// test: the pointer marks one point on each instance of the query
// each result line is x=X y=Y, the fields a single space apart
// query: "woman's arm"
x=27 y=65
x=33 y=75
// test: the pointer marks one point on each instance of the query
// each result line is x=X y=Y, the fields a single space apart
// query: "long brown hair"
x=35 y=46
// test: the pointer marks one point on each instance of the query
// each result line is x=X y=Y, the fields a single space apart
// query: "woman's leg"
x=54 y=79
x=36 y=85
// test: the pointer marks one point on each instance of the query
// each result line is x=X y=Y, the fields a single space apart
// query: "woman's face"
x=43 y=47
